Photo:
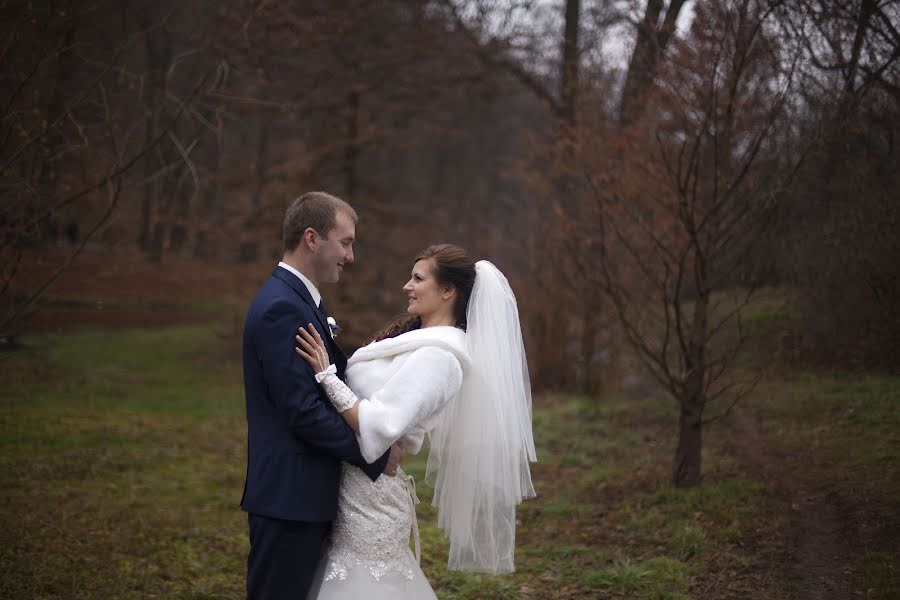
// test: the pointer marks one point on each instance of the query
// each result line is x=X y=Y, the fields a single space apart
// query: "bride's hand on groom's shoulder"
x=311 y=348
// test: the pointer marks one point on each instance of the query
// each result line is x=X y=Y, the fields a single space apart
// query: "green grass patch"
x=880 y=575
x=655 y=578
x=860 y=412
x=847 y=427
x=766 y=318
x=123 y=462
x=93 y=303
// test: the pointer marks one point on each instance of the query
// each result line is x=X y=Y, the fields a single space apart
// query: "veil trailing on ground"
x=481 y=447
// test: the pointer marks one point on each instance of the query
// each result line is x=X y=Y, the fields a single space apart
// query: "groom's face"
x=335 y=249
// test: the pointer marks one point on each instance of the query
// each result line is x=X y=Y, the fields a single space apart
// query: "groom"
x=296 y=440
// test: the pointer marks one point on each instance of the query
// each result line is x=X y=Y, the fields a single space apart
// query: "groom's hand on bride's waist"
x=393 y=462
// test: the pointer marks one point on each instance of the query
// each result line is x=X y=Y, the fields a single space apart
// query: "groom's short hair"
x=313 y=209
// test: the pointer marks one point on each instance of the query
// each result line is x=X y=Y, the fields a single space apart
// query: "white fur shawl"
x=403 y=383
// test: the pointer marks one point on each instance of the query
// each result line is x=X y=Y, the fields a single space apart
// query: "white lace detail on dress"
x=373 y=525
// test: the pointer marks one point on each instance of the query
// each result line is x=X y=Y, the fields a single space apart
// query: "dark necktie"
x=326 y=335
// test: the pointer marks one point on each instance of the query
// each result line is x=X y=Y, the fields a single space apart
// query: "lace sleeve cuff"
x=341 y=396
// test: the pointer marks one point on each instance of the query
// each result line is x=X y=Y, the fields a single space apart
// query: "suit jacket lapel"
x=324 y=330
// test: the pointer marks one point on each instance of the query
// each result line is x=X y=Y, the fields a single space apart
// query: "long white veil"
x=481 y=447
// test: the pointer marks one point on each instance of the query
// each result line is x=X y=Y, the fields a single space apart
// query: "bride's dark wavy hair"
x=454 y=267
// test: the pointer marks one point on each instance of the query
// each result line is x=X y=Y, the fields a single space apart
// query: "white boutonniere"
x=333 y=327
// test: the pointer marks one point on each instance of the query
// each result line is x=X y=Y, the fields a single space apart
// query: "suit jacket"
x=296 y=440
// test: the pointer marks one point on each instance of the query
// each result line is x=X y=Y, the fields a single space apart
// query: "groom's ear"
x=310 y=238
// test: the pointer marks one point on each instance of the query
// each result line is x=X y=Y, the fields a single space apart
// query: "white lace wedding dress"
x=369 y=555
x=403 y=384
x=470 y=393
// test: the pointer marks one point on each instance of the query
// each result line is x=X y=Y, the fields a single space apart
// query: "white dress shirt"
x=313 y=290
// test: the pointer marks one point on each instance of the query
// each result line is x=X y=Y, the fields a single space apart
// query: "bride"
x=453 y=370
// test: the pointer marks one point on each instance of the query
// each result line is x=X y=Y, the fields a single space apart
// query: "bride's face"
x=426 y=296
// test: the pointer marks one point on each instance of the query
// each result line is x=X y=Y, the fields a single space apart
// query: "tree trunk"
x=209 y=213
x=568 y=93
x=259 y=172
x=866 y=10
x=584 y=378
x=690 y=422
x=690 y=443
x=554 y=370
x=591 y=309
x=351 y=155
x=249 y=246
x=47 y=173
x=652 y=39
x=158 y=55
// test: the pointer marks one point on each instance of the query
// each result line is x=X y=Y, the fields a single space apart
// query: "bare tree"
x=510 y=39
x=836 y=237
x=680 y=213
x=71 y=124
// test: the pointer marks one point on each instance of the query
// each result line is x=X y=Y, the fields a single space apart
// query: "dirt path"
x=819 y=551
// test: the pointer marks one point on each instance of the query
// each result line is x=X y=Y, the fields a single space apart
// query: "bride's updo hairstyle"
x=453 y=267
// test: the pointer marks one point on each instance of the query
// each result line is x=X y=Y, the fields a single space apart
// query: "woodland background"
x=695 y=201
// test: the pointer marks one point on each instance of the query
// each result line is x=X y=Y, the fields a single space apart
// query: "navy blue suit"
x=296 y=442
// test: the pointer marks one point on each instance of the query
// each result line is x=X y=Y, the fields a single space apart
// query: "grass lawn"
x=123 y=465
